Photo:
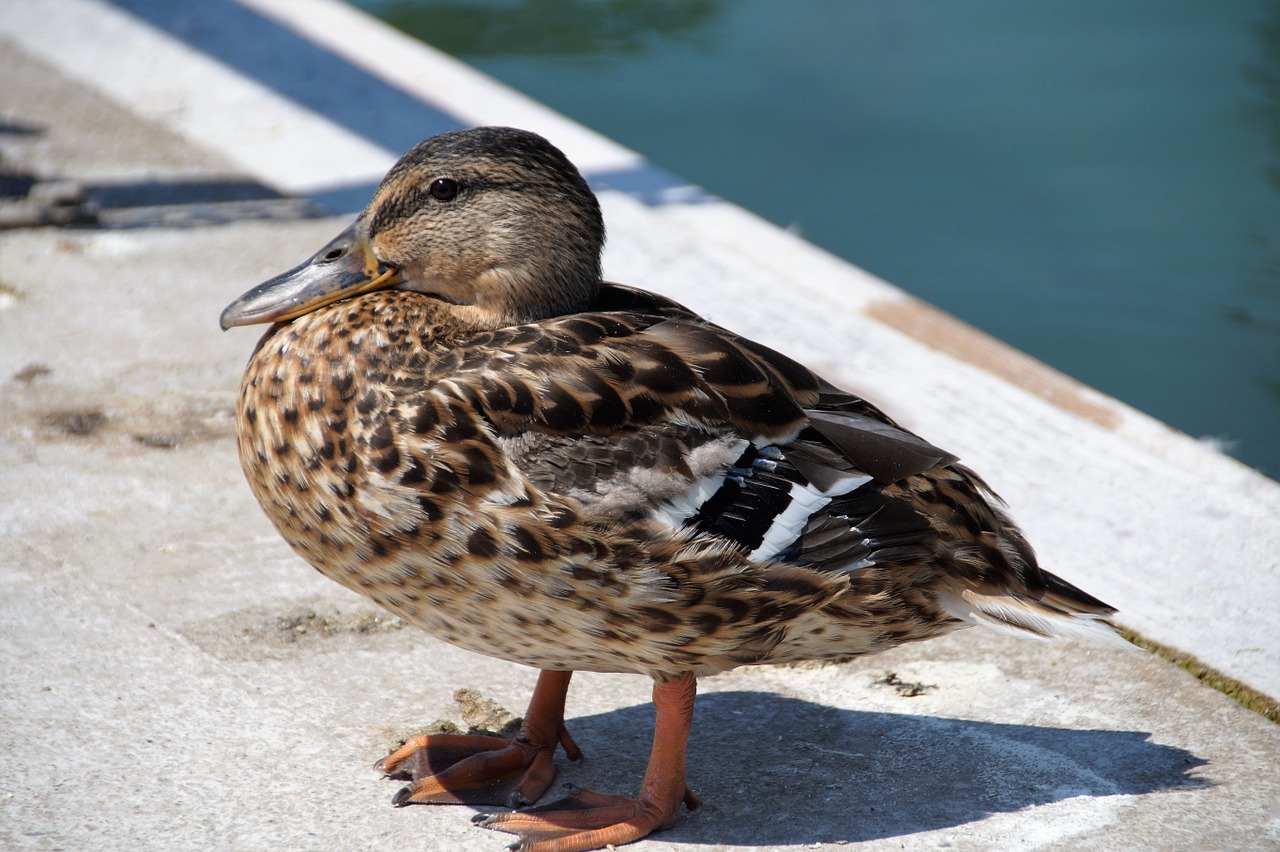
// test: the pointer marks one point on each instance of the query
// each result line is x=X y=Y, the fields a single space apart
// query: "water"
x=1096 y=182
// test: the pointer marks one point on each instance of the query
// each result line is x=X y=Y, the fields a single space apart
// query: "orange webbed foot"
x=473 y=770
x=586 y=820
x=589 y=820
x=480 y=770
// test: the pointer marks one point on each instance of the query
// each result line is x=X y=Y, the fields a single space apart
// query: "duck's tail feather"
x=1058 y=611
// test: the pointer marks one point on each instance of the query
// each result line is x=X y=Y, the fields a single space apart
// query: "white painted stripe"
x=440 y=80
x=160 y=78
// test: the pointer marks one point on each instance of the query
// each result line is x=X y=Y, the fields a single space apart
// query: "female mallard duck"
x=455 y=417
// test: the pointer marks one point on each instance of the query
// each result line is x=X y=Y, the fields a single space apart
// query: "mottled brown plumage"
x=454 y=417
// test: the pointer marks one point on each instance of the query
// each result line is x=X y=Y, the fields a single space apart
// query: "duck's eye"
x=443 y=189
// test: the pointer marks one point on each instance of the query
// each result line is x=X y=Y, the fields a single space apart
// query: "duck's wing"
x=637 y=414
x=728 y=486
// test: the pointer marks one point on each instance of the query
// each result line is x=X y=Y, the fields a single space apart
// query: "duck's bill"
x=344 y=268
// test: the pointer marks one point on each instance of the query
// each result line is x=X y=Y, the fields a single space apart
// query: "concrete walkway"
x=171 y=674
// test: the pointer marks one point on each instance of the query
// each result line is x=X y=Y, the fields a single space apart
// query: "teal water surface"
x=1097 y=183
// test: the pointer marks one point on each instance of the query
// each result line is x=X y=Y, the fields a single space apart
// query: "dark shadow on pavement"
x=776 y=770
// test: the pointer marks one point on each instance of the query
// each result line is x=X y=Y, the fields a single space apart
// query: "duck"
x=453 y=414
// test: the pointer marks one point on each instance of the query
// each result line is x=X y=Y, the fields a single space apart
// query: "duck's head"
x=494 y=221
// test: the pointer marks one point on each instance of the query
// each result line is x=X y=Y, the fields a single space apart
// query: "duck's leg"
x=589 y=820
x=476 y=770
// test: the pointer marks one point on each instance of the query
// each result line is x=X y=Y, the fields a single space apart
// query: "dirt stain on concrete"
x=260 y=633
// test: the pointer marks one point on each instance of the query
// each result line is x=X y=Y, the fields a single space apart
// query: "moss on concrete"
x=1260 y=703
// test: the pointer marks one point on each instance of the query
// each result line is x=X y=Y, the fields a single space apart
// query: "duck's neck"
x=503 y=296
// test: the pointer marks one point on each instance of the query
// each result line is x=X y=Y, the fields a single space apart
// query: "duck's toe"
x=451 y=769
x=587 y=820
x=472 y=770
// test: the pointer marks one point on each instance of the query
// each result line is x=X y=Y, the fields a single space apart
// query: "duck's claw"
x=472 y=770
x=451 y=769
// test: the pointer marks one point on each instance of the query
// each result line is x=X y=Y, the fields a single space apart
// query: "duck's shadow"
x=775 y=770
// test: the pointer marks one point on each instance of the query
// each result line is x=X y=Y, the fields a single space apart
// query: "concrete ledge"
x=170 y=677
